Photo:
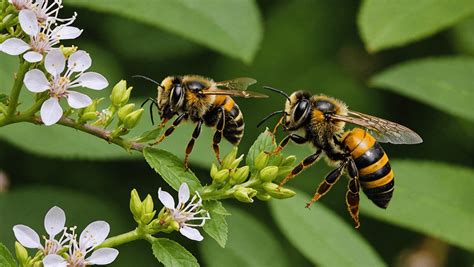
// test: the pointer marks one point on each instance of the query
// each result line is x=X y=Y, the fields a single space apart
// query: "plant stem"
x=16 y=89
x=122 y=239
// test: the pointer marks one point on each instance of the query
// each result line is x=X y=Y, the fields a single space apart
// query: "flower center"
x=76 y=259
x=51 y=247
x=59 y=87
x=41 y=43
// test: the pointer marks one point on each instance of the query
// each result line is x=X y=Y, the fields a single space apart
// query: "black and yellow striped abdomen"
x=375 y=174
x=234 y=120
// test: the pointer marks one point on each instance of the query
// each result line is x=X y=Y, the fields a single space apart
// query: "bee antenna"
x=148 y=79
x=152 y=104
x=269 y=116
x=278 y=91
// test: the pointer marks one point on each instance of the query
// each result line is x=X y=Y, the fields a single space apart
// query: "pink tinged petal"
x=54 y=260
x=94 y=234
x=54 y=221
x=14 y=46
x=92 y=80
x=55 y=62
x=33 y=57
x=35 y=81
x=102 y=256
x=79 y=61
x=78 y=100
x=51 y=111
x=29 y=22
x=66 y=33
x=166 y=199
x=191 y=233
x=27 y=236
x=183 y=193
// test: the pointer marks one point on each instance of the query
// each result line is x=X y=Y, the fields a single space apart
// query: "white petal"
x=79 y=61
x=51 y=111
x=29 y=22
x=54 y=221
x=94 y=234
x=183 y=193
x=103 y=256
x=14 y=46
x=166 y=199
x=55 y=62
x=27 y=236
x=54 y=260
x=191 y=233
x=33 y=57
x=78 y=100
x=66 y=33
x=35 y=81
x=93 y=80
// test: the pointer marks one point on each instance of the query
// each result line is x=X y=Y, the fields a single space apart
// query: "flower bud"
x=263 y=196
x=21 y=253
x=132 y=119
x=214 y=170
x=93 y=107
x=120 y=94
x=268 y=173
x=147 y=217
x=261 y=160
x=147 y=204
x=68 y=50
x=175 y=225
x=89 y=116
x=280 y=193
x=3 y=37
x=124 y=111
x=244 y=194
x=135 y=204
x=289 y=161
x=229 y=158
x=221 y=175
x=236 y=162
x=240 y=175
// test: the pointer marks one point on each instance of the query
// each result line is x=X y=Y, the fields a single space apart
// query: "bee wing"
x=238 y=84
x=383 y=130
x=237 y=93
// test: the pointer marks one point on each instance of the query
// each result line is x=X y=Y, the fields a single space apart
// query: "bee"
x=203 y=101
x=357 y=152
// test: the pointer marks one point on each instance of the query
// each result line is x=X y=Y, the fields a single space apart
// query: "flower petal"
x=27 y=236
x=54 y=260
x=35 y=81
x=14 y=46
x=191 y=233
x=183 y=193
x=94 y=234
x=29 y=22
x=66 y=33
x=33 y=57
x=78 y=100
x=55 y=62
x=51 y=111
x=79 y=61
x=166 y=199
x=92 y=80
x=102 y=256
x=54 y=221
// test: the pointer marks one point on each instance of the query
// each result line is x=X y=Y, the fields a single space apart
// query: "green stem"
x=123 y=238
x=16 y=89
x=208 y=193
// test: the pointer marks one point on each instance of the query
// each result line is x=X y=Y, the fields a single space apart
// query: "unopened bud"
x=240 y=175
x=135 y=204
x=68 y=50
x=289 y=161
x=147 y=217
x=3 y=37
x=175 y=225
x=229 y=158
x=263 y=196
x=124 y=111
x=21 y=253
x=93 y=107
x=147 y=204
x=120 y=94
x=214 y=170
x=221 y=175
x=89 y=116
x=261 y=160
x=280 y=193
x=132 y=119
x=269 y=173
x=236 y=162
x=244 y=194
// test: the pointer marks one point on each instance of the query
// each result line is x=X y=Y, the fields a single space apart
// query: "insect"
x=357 y=152
x=203 y=101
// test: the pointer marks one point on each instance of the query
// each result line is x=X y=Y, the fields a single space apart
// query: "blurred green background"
x=312 y=45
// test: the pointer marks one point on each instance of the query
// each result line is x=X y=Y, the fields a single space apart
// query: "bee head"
x=171 y=95
x=297 y=110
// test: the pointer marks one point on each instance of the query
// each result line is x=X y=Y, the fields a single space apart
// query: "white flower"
x=42 y=39
x=183 y=213
x=94 y=234
x=44 y=10
x=54 y=222
x=55 y=62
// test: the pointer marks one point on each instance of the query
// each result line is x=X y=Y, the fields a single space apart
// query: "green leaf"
x=264 y=142
x=464 y=36
x=251 y=243
x=3 y=98
x=432 y=198
x=6 y=258
x=445 y=83
x=149 y=135
x=321 y=235
x=171 y=168
x=390 y=23
x=216 y=227
x=230 y=27
x=172 y=254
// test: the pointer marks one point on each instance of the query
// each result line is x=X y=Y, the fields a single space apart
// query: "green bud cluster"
x=143 y=211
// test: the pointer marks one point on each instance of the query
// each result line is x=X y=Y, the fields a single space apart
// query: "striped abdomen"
x=234 y=121
x=375 y=174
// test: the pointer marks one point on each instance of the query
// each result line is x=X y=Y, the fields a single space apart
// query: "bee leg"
x=190 y=145
x=352 y=195
x=170 y=130
x=307 y=162
x=328 y=182
x=276 y=128
x=294 y=137
x=218 y=135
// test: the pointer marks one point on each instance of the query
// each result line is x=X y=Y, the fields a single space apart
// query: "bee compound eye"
x=300 y=110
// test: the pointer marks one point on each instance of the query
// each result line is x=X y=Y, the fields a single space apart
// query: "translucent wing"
x=383 y=130
x=237 y=93
x=238 y=84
